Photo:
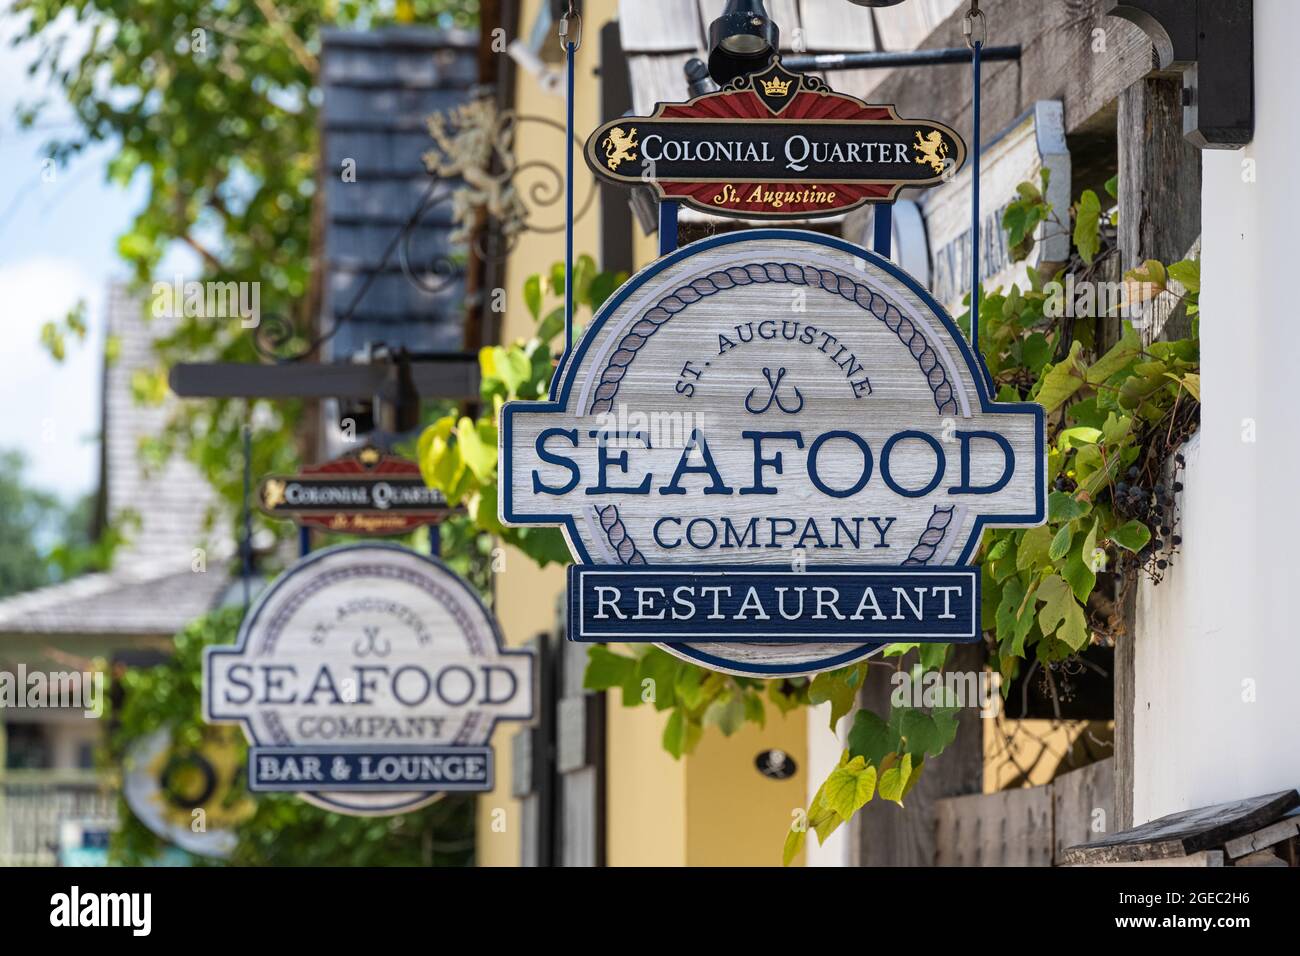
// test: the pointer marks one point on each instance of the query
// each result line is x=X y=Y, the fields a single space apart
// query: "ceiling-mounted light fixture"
x=741 y=41
x=876 y=3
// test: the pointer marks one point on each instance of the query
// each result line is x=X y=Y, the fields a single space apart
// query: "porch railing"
x=33 y=804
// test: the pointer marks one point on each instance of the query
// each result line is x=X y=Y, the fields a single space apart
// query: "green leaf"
x=1062 y=380
x=839 y=687
x=849 y=787
x=533 y=296
x=1065 y=507
x=1056 y=595
x=1112 y=187
x=1120 y=355
x=661 y=668
x=727 y=712
x=1014 y=620
x=794 y=841
x=1036 y=352
x=1087 y=226
x=607 y=670
x=1033 y=550
x=552 y=325
x=1132 y=536
x=1061 y=543
x=1078 y=568
x=894 y=780
x=1187 y=274
x=681 y=734
x=871 y=738
x=477 y=443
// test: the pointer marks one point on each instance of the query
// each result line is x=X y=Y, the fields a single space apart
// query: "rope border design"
x=935 y=531
x=721 y=280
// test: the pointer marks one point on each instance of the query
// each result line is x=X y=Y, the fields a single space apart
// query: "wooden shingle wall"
x=379 y=87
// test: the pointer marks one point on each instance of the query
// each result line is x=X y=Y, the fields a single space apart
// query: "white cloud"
x=51 y=410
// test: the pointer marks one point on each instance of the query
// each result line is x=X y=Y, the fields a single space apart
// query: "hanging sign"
x=1033 y=144
x=368 y=679
x=366 y=493
x=775 y=144
x=772 y=453
x=166 y=784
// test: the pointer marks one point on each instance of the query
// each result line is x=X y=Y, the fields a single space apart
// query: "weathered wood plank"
x=1083 y=799
x=884 y=834
x=832 y=26
x=1188 y=832
x=1204 y=858
x=905 y=27
x=1064 y=57
x=1009 y=828
x=1262 y=839
x=660 y=26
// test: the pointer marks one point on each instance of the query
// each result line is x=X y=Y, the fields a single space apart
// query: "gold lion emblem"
x=272 y=493
x=931 y=150
x=619 y=147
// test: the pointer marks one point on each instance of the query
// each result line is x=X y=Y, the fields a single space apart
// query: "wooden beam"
x=454 y=377
x=1186 y=833
x=1071 y=51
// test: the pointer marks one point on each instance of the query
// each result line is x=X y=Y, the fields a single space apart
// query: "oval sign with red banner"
x=775 y=144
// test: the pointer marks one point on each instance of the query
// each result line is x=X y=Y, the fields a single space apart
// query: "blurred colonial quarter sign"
x=772 y=453
x=366 y=493
x=775 y=144
x=368 y=679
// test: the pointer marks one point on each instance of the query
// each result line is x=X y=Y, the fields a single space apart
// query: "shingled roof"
x=379 y=88
x=152 y=589
x=660 y=37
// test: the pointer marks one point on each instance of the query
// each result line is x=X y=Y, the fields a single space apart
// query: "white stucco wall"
x=1224 y=623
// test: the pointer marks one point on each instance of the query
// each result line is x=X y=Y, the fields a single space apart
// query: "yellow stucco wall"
x=525 y=594
x=712 y=807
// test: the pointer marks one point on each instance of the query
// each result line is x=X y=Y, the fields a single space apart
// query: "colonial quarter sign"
x=367 y=493
x=772 y=452
x=368 y=679
x=775 y=144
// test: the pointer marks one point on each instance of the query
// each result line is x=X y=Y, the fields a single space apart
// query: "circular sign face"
x=165 y=786
x=368 y=679
x=784 y=443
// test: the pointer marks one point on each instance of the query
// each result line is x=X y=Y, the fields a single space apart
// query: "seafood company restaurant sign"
x=368 y=678
x=772 y=453
x=775 y=144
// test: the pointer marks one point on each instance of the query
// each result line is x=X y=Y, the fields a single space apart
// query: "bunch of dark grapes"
x=1156 y=507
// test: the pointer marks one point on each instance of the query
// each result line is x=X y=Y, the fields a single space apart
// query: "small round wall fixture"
x=776 y=765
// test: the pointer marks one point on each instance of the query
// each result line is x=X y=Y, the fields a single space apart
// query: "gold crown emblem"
x=369 y=456
x=776 y=86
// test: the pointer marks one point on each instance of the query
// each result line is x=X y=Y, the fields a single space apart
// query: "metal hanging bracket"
x=1212 y=44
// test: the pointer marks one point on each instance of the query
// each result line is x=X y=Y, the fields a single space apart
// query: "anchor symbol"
x=371 y=645
x=772 y=396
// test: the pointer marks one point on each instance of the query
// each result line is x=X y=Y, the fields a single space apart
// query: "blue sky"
x=57 y=246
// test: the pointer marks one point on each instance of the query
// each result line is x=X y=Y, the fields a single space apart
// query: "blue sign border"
x=245 y=626
x=566 y=375
x=742 y=633
x=256 y=785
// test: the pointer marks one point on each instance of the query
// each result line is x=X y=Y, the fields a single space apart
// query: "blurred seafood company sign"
x=368 y=678
x=772 y=452
x=775 y=144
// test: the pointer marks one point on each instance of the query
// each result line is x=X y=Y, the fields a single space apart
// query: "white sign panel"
x=368 y=679
x=772 y=453
x=1036 y=141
